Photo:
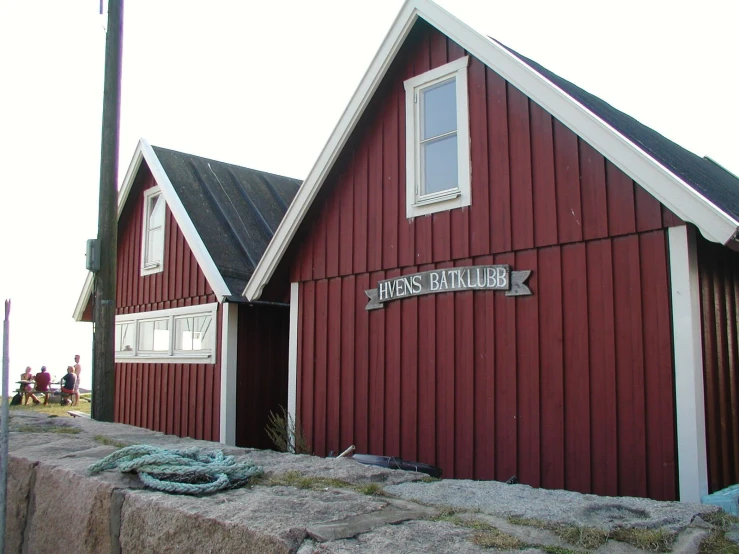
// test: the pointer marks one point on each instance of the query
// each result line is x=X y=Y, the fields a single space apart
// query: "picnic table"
x=51 y=389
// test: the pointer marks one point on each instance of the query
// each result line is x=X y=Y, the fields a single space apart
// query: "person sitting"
x=43 y=379
x=26 y=388
x=68 y=382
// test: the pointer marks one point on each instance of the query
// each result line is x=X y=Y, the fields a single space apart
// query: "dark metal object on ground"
x=397 y=463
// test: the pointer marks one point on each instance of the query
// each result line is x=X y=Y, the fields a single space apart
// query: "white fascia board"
x=203 y=257
x=84 y=299
x=663 y=184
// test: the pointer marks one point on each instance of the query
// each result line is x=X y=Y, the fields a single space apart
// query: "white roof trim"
x=144 y=151
x=659 y=181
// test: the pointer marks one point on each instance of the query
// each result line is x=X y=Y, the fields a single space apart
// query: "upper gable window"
x=437 y=140
x=152 y=247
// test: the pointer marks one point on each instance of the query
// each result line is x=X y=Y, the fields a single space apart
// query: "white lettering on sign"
x=488 y=277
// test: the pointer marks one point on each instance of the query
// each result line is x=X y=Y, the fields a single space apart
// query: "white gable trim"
x=145 y=152
x=664 y=185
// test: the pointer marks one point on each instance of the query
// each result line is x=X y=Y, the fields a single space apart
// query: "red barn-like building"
x=554 y=285
x=193 y=358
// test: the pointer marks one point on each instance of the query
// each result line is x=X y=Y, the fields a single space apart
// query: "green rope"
x=185 y=471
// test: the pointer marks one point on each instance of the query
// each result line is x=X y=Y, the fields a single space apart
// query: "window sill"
x=438 y=197
x=165 y=359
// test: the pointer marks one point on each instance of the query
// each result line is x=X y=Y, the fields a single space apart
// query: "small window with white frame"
x=176 y=335
x=152 y=247
x=437 y=140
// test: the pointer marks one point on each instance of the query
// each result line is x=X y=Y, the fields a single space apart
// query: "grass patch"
x=107 y=441
x=585 y=537
x=497 y=539
x=557 y=550
x=651 y=540
x=48 y=429
x=716 y=542
x=56 y=410
x=295 y=479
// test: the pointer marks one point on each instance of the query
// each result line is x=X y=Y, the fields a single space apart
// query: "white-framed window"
x=437 y=140
x=177 y=335
x=152 y=245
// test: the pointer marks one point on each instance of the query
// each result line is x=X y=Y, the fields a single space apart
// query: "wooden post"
x=103 y=370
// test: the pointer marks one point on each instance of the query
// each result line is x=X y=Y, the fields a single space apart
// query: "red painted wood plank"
x=375 y=195
x=349 y=295
x=506 y=382
x=632 y=451
x=200 y=403
x=441 y=236
x=484 y=375
x=669 y=219
x=464 y=382
x=576 y=374
x=498 y=160
x=479 y=211
x=566 y=170
x=361 y=363
x=138 y=402
x=593 y=192
x=601 y=340
x=460 y=218
x=620 y=192
x=171 y=242
x=306 y=376
x=528 y=374
x=194 y=269
x=522 y=204
x=409 y=376
x=333 y=228
x=427 y=409
x=659 y=385
x=345 y=190
x=192 y=401
x=406 y=227
x=542 y=173
x=648 y=210
x=320 y=374
x=376 y=373
x=216 y=418
x=179 y=273
x=423 y=225
x=306 y=248
x=185 y=405
x=393 y=368
x=360 y=165
x=445 y=377
x=551 y=337
x=208 y=403
x=174 y=400
x=333 y=368
x=156 y=392
x=391 y=117
x=116 y=396
x=319 y=241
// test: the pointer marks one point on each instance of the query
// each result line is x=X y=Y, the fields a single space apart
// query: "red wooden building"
x=611 y=368
x=193 y=358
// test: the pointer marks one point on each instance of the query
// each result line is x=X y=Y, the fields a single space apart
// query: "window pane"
x=124 y=337
x=439 y=164
x=155 y=246
x=193 y=333
x=156 y=211
x=154 y=335
x=439 y=110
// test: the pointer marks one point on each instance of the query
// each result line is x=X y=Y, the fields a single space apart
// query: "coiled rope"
x=186 y=471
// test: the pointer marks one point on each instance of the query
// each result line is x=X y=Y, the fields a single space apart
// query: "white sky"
x=263 y=84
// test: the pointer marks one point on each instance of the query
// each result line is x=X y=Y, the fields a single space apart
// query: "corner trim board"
x=229 y=359
x=688 y=356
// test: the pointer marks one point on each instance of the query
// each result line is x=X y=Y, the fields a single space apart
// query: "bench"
x=75 y=413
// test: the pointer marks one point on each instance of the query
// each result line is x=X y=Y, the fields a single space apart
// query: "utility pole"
x=103 y=370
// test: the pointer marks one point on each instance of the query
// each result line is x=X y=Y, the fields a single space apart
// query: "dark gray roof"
x=708 y=178
x=235 y=210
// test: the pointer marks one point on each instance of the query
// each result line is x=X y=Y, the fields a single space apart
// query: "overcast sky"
x=262 y=84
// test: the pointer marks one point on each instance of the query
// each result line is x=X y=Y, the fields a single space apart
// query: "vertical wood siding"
x=178 y=399
x=261 y=382
x=719 y=284
x=569 y=388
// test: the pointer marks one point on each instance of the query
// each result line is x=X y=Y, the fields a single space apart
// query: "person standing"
x=77 y=371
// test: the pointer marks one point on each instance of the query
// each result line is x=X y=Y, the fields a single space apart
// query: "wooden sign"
x=452 y=279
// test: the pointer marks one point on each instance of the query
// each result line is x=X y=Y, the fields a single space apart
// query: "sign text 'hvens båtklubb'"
x=480 y=277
